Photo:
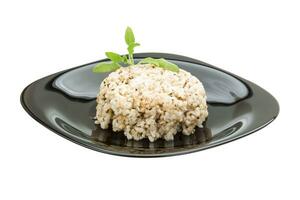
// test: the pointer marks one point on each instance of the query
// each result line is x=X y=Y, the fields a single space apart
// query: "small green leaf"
x=129 y=36
x=149 y=61
x=114 y=57
x=160 y=63
x=125 y=60
x=106 y=67
x=131 y=47
x=168 y=65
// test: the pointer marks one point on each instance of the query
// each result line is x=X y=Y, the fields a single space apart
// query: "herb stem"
x=131 y=61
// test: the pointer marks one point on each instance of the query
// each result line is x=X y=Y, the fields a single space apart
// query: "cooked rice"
x=149 y=102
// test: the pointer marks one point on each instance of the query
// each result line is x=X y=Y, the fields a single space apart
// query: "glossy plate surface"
x=65 y=103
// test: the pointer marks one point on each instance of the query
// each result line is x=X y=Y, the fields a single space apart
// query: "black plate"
x=65 y=103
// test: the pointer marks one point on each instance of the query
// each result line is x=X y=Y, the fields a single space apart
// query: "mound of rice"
x=149 y=102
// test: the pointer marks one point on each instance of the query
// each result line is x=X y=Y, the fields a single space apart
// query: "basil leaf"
x=129 y=36
x=106 y=67
x=128 y=59
x=149 y=60
x=125 y=59
x=168 y=65
x=114 y=57
x=131 y=47
x=160 y=63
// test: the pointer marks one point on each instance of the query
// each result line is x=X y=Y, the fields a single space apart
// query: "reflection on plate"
x=65 y=103
x=220 y=87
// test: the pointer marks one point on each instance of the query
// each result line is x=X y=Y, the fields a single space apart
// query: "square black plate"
x=65 y=103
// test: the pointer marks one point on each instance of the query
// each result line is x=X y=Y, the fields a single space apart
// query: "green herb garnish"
x=130 y=41
x=116 y=59
x=160 y=63
x=106 y=67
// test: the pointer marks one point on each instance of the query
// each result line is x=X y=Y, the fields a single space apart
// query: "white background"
x=258 y=40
